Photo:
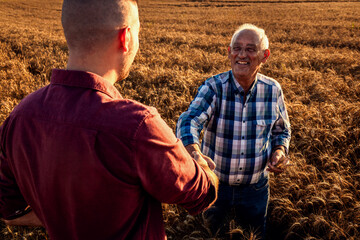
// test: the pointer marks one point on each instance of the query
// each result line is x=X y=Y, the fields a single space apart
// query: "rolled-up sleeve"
x=12 y=203
x=191 y=123
x=281 y=131
x=166 y=170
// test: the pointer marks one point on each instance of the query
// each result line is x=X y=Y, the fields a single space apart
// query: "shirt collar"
x=84 y=80
x=237 y=87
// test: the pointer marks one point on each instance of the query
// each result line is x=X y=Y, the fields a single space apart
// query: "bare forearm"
x=192 y=147
x=204 y=162
x=212 y=176
x=281 y=147
x=29 y=219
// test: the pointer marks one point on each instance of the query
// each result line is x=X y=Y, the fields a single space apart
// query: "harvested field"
x=315 y=55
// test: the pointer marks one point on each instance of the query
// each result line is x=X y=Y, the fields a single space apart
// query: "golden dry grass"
x=315 y=56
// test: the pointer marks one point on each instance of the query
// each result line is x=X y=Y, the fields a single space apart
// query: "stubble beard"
x=126 y=66
x=124 y=74
x=125 y=69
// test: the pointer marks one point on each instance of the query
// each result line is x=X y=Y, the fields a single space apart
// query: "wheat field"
x=315 y=55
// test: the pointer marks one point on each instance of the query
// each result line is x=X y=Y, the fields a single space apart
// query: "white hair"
x=264 y=41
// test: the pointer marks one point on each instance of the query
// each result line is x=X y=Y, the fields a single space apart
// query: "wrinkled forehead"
x=247 y=37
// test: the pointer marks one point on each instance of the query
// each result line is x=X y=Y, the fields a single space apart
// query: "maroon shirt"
x=93 y=165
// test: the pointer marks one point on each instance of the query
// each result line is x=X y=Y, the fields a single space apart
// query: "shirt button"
x=242 y=137
x=240 y=168
x=238 y=180
x=242 y=153
x=243 y=121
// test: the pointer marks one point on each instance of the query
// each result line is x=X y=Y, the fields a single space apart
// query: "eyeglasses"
x=247 y=50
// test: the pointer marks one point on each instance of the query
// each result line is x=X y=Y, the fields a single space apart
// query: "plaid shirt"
x=238 y=136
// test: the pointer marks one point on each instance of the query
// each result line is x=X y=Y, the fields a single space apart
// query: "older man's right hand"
x=195 y=152
x=203 y=160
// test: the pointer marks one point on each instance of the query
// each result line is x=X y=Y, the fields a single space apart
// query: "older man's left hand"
x=278 y=161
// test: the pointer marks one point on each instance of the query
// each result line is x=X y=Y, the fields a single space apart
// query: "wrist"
x=279 y=147
x=192 y=147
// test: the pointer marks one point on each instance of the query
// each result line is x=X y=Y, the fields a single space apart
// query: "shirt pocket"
x=262 y=134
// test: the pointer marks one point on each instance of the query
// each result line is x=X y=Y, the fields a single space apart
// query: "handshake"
x=201 y=159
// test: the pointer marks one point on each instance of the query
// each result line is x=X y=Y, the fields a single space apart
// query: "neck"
x=94 y=65
x=245 y=84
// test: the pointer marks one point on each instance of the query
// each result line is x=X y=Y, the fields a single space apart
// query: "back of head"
x=89 y=24
x=264 y=41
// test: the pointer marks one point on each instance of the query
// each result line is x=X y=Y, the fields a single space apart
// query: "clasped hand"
x=203 y=160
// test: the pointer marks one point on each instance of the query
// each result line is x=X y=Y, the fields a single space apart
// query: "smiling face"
x=246 y=56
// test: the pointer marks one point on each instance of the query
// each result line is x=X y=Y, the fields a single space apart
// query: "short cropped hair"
x=88 y=24
x=264 y=41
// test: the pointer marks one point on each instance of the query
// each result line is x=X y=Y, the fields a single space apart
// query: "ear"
x=229 y=52
x=124 y=39
x=266 y=55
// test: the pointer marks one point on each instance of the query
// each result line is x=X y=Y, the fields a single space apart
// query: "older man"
x=89 y=163
x=246 y=129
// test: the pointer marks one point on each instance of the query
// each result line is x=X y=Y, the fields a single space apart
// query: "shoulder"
x=220 y=78
x=217 y=81
x=268 y=81
x=128 y=118
x=131 y=111
x=144 y=123
x=32 y=103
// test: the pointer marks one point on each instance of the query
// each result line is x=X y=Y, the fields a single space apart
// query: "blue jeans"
x=246 y=204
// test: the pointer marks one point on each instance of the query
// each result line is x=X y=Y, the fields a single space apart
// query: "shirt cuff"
x=281 y=142
x=19 y=213
x=187 y=140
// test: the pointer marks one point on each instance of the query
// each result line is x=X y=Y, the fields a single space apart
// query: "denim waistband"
x=262 y=178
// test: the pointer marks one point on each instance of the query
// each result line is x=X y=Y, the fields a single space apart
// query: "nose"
x=242 y=52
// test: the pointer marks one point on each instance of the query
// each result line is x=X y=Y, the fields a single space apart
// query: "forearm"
x=279 y=147
x=281 y=134
x=193 y=147
x=212 y=177
x=282 y=142
x=188 y=128
x=205 y=166
x=191 y=122
x=204 y=162
x=29 y=219
x=281 y=131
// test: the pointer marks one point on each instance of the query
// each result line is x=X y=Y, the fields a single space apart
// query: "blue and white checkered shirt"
x=238 y=136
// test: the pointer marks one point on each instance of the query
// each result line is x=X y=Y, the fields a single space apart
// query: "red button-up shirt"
x=94 y=165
